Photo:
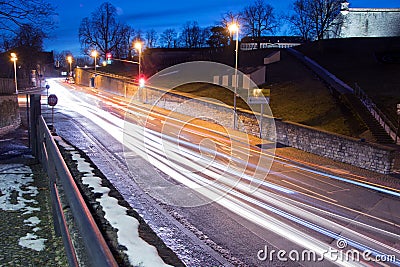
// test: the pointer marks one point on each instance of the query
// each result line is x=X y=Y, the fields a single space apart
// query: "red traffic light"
x=108 y=56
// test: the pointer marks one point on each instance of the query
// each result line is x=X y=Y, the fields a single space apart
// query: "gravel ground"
x=27 y=236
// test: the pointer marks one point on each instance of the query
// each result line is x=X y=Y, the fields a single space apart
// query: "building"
x=251 y=43
x=366 y=22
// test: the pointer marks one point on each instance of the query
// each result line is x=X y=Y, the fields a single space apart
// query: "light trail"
x=229 y=185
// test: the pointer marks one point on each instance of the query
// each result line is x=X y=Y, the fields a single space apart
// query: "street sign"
x=259 y=96
x=47 y=86
x=52 y=100
x=257 y=100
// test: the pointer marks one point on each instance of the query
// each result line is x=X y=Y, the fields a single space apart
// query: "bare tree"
x=16 y=13
x=229 y=18
x=27 y=42
x=218 y=37
x=169 y=38
x=151 y=38
x=139 y=36
x=83 y=61
x=60 y=58
x=301 y=21
x=102 y=31
x=316 y=17
x=29 y=37
x=191 y=35
x=124 y=48
x=259 y=18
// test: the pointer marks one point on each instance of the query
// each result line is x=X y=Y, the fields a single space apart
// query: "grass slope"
x=296 y=95
x=372 y=63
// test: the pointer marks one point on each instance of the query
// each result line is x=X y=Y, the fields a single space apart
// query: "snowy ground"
x=139 y=252
x=18 y=194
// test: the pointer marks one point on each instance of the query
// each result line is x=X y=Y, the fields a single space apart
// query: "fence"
x=46 y=150
x=383 y=120
x=7 y=86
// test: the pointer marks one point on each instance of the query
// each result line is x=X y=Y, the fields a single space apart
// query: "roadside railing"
x=383 y=120
x=96 y=249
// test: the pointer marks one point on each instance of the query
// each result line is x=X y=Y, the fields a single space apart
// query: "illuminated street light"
x=69 y=59
x=138 y=47
x=234 y=28
x=94 y=54
x=14 y=59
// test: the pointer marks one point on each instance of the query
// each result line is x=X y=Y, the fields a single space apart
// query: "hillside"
x=372 y=63
x=296 y=95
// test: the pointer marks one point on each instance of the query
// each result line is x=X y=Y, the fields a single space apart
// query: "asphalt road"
x=240 y=200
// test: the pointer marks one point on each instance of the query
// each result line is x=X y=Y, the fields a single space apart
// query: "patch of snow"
x=32 y=221
x=139 y=251
x=16 y=179
x=30 y=210
x=32 y=241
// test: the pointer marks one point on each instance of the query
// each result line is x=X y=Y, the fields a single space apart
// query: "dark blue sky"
x=161 y=14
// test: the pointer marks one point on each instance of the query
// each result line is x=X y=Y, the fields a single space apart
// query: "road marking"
x=336 y=191
x=305 y=189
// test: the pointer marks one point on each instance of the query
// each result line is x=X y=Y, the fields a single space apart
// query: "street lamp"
x=14 y=59
x=69 y=59
x=234 y=28
x=94 y=54
x=138 y=47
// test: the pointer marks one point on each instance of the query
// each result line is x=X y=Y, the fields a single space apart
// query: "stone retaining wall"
x=9 y=114
x=340 y=148
x=365 y=155
x=337 y=147
x=111 y=84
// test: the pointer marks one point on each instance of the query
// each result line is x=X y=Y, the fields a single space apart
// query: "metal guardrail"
x=383 y=120
x=96 y=248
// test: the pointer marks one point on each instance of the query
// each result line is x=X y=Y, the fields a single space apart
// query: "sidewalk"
x=390 y=181
x=27 y=236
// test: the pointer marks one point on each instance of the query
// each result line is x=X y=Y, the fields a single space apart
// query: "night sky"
x=159 y=15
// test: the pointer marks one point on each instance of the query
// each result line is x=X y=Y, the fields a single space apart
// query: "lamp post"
x=234 y=28
x=138 y=47
x=94 y=54
x=69 y=59
x=14 y=59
